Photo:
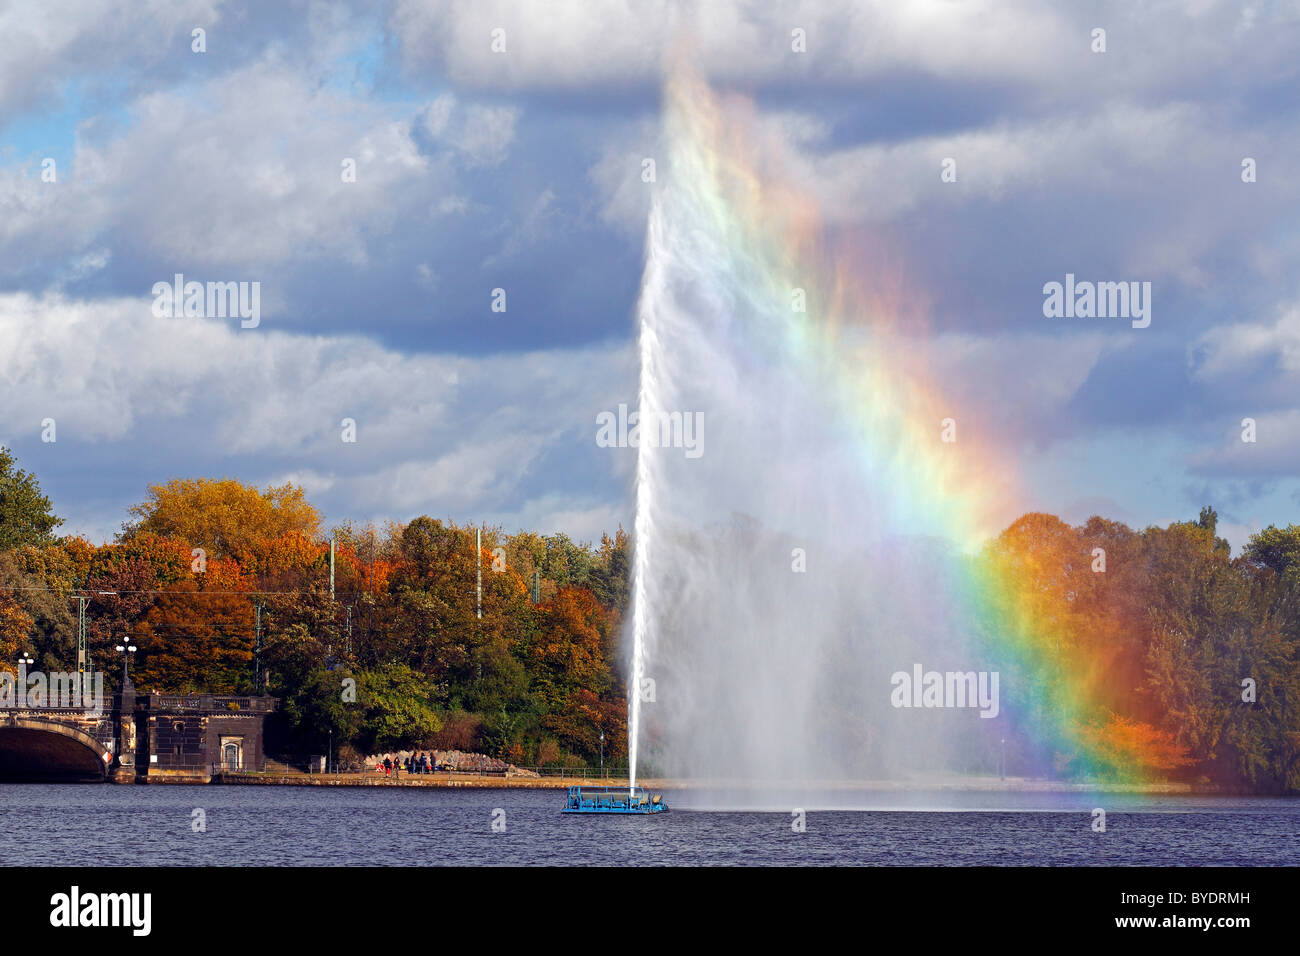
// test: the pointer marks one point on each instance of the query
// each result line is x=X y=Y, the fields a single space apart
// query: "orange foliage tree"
x=15 y=632
x=1130 y=745
x=199 y=635
x=225 y=517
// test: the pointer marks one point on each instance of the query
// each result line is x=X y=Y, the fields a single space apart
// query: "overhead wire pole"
x=478 y=565
x=82 y=601
x=333 y=610
x=257 y=647
x=83 y=652
x=370 y=613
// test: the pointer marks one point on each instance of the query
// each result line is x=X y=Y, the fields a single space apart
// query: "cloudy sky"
x=521 y=170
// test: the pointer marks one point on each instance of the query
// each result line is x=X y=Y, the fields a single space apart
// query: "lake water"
x=81 y=825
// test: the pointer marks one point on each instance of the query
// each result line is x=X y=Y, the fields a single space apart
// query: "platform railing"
x=210 y=767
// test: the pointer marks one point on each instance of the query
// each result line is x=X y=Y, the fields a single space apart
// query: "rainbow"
x=841 y=315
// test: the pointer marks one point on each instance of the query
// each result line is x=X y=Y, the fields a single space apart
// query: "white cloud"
x=41 y=44
x=242 y=173
x=1045 y=50
x=482 y=135
x=1239 y=347
x=434 y=431
x=599 y=43
x=1019 y=380
x=879 y=182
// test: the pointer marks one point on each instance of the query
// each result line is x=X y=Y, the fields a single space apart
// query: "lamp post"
x=1003 y=761
x=25 y=661
x=602 y=753
x=124 y=718
x=126 y=650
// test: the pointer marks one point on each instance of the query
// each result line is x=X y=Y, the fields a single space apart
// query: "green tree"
x=26 y=515
x=1277 y=549
x=397 y=708
x=315 y=706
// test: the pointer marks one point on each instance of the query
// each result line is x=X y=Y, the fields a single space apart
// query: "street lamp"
x=126 y=651
x=602 y=753
x=26 y=659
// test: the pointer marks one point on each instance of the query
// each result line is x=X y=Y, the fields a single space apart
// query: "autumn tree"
x=38 y=579
x=15 y=631
x=124 y=581
x=225 y=517
x=1132 y=748
x=198 y=636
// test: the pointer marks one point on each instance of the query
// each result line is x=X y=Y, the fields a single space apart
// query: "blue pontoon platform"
x=613 y=800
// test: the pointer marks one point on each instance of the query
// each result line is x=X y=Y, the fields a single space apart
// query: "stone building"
x=192 y=736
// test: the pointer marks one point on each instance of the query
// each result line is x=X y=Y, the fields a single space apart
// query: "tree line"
x=1188 y=659
x=225 y=588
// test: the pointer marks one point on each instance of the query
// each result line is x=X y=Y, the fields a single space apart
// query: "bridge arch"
x=33 y=748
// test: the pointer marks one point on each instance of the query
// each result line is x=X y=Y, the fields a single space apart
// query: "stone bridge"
x=169 y=738
x=55 y=744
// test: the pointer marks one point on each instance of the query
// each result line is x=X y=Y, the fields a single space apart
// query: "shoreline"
x=502 y=782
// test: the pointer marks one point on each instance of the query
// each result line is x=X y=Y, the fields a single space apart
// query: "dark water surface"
x=86 y=825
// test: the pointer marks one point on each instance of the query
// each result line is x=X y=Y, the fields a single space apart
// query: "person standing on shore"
x=388 y=766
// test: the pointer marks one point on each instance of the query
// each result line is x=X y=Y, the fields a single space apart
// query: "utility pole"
x=83 y=653
x=331 y=567
x=82 y=601
x=370 y=614
x=478 y=561
x=257 y=649
x=347 y=647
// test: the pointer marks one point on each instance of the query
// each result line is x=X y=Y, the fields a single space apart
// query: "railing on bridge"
x=205 y=703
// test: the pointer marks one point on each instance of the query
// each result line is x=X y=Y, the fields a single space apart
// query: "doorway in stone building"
x=232 y=753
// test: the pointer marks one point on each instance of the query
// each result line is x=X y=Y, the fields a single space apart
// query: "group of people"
x=414 y=763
